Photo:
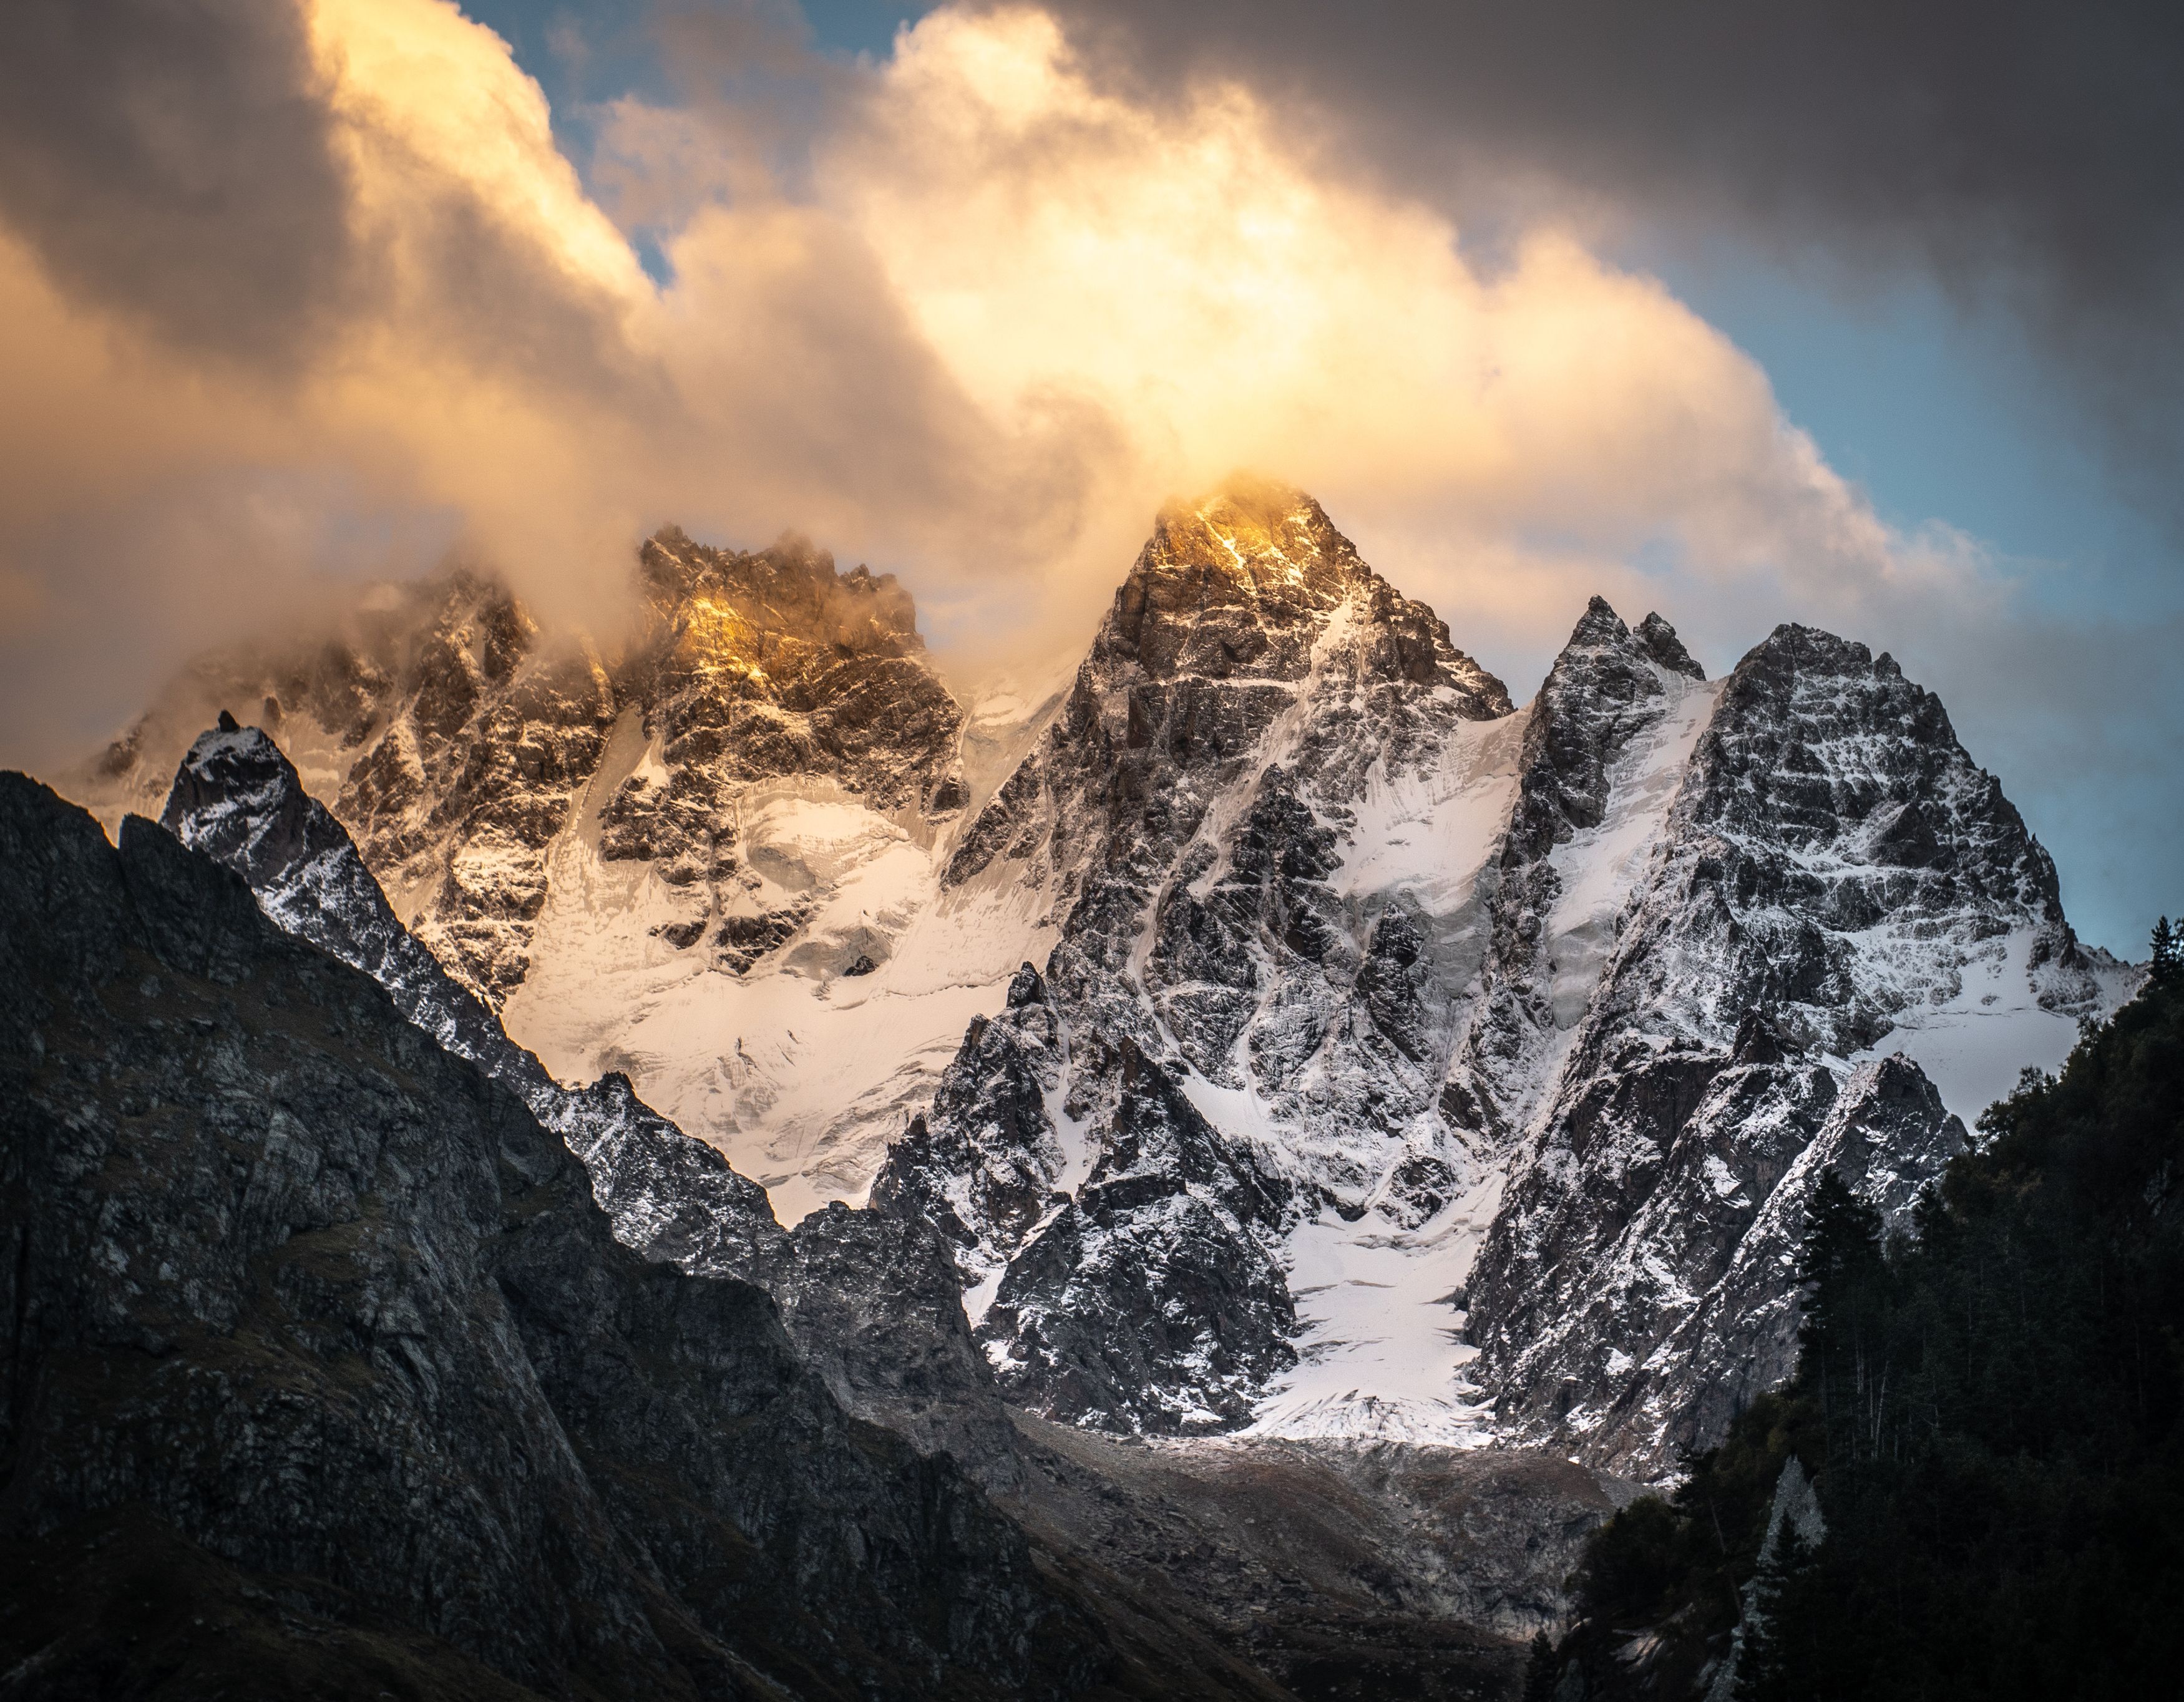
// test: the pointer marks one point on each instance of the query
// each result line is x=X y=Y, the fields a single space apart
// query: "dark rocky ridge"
x=237 y=799
x=332 y=1306
x=870 y=1299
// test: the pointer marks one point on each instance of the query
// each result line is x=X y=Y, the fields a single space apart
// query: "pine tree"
x=2168 y=952
x=1843 y=1271
x=1540 y=1673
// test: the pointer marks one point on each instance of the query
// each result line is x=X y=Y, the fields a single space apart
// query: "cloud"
x=2023 y=153
x=175 y=161
x=991 y=308
x=1006 y=314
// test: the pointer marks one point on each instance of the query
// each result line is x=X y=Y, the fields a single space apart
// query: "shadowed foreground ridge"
x=325 y=1372
x=1991 y=1421
x=1407 y=1572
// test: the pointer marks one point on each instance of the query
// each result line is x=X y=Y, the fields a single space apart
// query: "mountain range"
x=1274 y=1046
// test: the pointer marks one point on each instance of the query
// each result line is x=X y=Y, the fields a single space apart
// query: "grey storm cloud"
x=2030 y=155
x=170 y=159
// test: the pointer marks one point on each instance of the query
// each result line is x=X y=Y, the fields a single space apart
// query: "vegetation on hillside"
x=1992 y=1411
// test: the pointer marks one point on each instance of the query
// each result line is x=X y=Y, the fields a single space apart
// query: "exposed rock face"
x=1150 y=1301
x=1604 y=742
x=239 y=800
x=873 y=1300
x=985 y=1163
x=1887 y=1135
x=1833 y=865
x=768 y=664
x=1186 y=821
x=1614 y=1051
x=1838 y=859
x=456 y=743
x=329 y=1305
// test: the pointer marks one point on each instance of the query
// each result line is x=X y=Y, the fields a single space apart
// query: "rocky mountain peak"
x=1829 y=788
x=1603 y=744
x=1605 y=690
x=790 y=592
x=1234 y=586
x=1599 y=625
x=1242 y=585
x=1658 y=642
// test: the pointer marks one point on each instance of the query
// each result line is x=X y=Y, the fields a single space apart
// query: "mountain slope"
x=1612 y=1025
x=237 y=799
x=329 y=1304
x=1403 y=1572
x=625 y=853
x=1244 y=961
x=871 y=1302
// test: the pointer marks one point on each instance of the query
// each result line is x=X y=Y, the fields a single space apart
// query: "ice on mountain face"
x=2004 y=1020
x=740 y=913
x=798 y=1069
x=1380 y=1347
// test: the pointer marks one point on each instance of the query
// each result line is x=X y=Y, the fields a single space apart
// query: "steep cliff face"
x=1605 y=742
x=1834 y=873
x=332 y=1308
x=449 y=739
x=1253 y=990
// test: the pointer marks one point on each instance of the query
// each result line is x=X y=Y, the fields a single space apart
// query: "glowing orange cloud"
x=1013 y=311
